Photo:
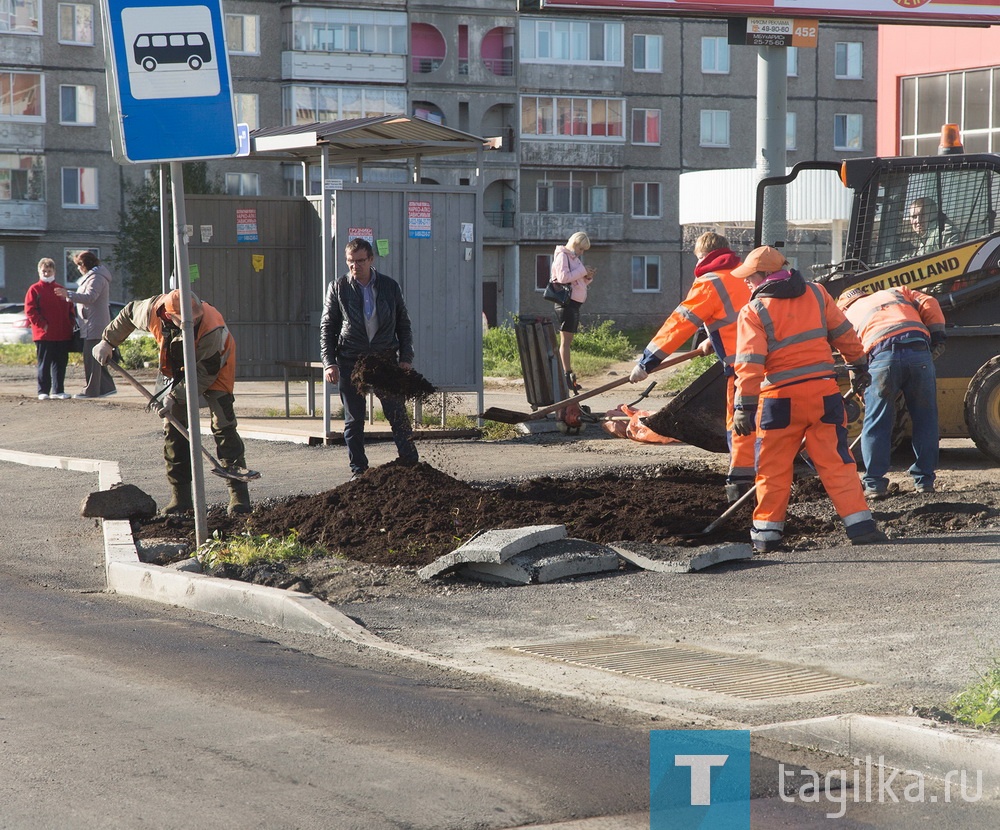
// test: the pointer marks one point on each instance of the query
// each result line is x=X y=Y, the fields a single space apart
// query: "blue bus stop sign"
x=169 y=86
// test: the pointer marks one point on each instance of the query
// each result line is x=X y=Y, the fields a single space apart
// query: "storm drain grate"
x=743 y=677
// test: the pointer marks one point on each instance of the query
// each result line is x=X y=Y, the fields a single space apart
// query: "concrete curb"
x=904 y=743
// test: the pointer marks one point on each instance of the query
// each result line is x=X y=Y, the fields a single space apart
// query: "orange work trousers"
x=812 y=410
x=742 y=448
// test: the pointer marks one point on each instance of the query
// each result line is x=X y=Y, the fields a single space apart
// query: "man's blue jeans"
x=910 y=371
x=394 y=408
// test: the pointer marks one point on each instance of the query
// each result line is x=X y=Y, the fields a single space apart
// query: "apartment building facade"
x=594 y=120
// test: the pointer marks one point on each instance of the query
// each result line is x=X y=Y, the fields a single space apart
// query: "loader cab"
x=955 y=198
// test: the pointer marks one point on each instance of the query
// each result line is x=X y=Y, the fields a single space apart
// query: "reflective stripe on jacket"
x=714 y=301
x=785 y=334
x=894 y=311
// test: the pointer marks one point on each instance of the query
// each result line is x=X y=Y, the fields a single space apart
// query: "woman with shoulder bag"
x=569 y=270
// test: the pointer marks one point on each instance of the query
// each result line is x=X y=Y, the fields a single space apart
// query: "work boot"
x=180 y=500
x=239 y=497
x=873 y=537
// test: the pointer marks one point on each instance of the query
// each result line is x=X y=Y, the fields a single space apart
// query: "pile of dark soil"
x=399 y=517
x=381 y=373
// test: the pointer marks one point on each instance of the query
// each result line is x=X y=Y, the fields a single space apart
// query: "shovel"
x=509 y=416
x=736 y=505
x=232 y=473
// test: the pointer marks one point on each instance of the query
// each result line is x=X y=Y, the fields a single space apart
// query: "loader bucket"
x=697 y=414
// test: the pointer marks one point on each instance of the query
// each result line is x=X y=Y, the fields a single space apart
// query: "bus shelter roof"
x=362 y=139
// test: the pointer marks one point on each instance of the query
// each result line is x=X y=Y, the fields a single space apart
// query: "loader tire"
x=982 y=408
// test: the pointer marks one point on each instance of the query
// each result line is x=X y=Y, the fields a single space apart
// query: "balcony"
x=577 y=154
x=22 y=218
x=317 y=66
x=544 y=227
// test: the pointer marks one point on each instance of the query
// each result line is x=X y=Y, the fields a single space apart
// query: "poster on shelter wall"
x=419 y=214
x=246 y=225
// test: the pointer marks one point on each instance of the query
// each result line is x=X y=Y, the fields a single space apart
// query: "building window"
x=316 y=29
x=21 y=96
x=791 y=130
x=247 y=109
x=71 y=272
x=19 y=17
x=555 y=196
x=645 y=274
x=647 y=53
x=969 y=98
x=543 y=270
x=847 y=132
x=77 y=105
x=22 y=177
x=572 y=41
x=575 y=118
x=714 y=128
x=305 y=104
x=79 y=187
x=715 y=56
x=847 y=61
x=243 y=34
x=646 y=200
x=792 y=54
x=645 y=126
x=76 y=23
x=242 y=184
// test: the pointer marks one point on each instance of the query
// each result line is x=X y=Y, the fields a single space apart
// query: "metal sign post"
x=170 y=98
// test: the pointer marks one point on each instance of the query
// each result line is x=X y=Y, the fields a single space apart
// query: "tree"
x=137 y=252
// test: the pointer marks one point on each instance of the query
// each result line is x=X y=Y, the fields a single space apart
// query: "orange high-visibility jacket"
x=894 y=311
x=214 y=346
x=785 y=334
x=714 y=301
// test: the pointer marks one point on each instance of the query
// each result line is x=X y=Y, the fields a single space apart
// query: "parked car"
x=15 y=328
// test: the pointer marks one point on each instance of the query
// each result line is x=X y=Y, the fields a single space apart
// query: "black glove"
x=937 y=345
x=861 y=379
x=745 y=420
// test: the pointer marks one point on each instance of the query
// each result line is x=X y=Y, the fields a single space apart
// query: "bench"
x=311 y=387
x=310 y=382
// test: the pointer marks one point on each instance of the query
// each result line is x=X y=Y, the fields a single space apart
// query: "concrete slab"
x=494 y=546
x=669 y=559
x=546 y=563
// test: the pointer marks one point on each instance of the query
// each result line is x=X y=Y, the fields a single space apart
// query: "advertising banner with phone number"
x=969 y=12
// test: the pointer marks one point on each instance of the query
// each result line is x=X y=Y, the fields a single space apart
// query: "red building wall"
x=922 y=50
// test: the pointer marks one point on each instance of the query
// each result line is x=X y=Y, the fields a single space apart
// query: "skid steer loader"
x=958 y=261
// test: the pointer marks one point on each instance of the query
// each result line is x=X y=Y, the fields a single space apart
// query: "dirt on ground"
x=381 y=528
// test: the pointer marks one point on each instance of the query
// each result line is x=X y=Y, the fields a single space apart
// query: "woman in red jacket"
x=51 y=319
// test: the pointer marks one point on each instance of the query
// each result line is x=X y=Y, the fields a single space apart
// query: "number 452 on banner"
x=169 y=84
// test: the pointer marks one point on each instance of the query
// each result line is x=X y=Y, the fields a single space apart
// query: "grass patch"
x=685 y=373
x=594 y=348
x=979 y=704
x=247 y=550
x=136 y=352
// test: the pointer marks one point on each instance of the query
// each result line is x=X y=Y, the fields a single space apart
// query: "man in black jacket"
x=364 y=313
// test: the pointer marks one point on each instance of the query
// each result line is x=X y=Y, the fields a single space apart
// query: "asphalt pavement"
x=892 y=629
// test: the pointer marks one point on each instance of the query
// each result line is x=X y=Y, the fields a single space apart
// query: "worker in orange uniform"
x=714 y=301
x=785 y=371
x=902 y=330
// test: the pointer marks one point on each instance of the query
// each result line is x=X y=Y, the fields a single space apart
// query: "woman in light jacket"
x=93 y=313
x=568 y=269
